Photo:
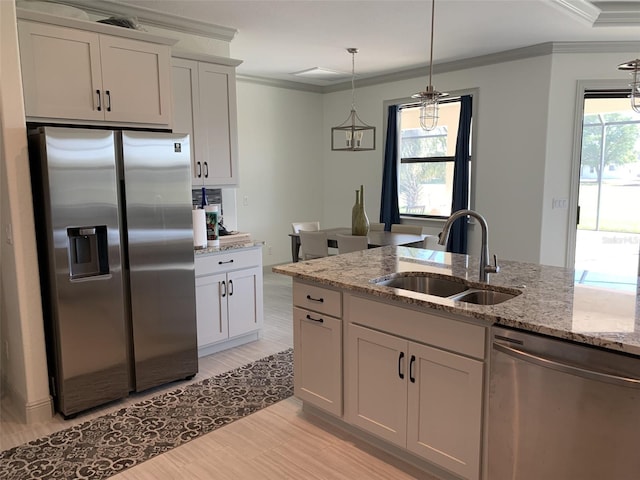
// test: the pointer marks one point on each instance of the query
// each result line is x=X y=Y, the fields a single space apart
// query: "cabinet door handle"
x=220 y=262
x=400 y=357
x=230 y=287
x=320 y=300
x=319 y=320
x=224 y=289
x=108 y=94
x=206 y=169
x=199 y=165
x=412 y=377
x=99 y=101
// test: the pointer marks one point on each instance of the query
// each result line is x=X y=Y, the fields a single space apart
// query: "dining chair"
x=306 y=226
x=351 y=243
x=430 y=242
x=313 y=245
x=401 y=228
x=376 y=227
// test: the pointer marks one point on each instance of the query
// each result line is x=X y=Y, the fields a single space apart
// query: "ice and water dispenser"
x=88 y=251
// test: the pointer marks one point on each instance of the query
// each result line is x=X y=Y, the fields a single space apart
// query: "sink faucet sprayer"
x=485 y=267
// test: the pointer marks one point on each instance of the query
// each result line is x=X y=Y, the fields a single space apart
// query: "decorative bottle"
x=359 y=221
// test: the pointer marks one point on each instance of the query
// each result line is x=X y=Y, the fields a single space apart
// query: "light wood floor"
x=278 y=442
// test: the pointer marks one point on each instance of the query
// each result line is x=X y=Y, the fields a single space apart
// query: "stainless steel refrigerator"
x=115 y=247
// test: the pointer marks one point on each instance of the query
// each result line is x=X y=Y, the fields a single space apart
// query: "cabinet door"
x=377 y=383
x=217 y=130
x=317 y=359
x=61 y=73
x=445 y=409
x=186 y=108
x=245 y=301
x=137 y=80
x=211 y=309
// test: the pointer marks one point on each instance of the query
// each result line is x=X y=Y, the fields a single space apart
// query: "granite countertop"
x=228 y=246
x=550 y=302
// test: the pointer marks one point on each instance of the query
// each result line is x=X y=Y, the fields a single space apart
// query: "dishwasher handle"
x=566 y=368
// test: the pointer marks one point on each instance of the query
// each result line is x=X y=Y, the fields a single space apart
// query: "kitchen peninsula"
x=410 y=372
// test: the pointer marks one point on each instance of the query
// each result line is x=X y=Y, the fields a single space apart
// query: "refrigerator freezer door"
x=157 y=186
x=76 y=188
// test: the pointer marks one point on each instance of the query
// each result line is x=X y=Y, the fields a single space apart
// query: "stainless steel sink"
x=424 y=283
x=485 y=297
x=447 y=287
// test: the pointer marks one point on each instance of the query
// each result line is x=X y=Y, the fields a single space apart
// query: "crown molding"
x=603 y=14
x=147 y=16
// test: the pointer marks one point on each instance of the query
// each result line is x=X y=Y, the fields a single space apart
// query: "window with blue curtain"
x=427 y=173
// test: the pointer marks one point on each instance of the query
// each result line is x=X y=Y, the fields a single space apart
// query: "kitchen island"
x=408 y=371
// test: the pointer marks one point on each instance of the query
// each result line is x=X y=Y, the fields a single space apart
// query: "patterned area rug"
x=114 y=442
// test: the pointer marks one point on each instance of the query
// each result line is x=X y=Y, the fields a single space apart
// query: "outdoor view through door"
x=608 y=235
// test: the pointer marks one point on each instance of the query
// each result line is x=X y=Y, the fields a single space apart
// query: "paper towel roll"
x=199 y=228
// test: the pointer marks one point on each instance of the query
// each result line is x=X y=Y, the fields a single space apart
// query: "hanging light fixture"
x=353 y=135
x=633 y=67
x=430 y=98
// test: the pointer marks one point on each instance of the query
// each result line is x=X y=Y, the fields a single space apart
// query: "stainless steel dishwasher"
x=561 y=411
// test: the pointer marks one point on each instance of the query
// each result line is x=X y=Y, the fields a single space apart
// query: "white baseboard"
x=27 y=412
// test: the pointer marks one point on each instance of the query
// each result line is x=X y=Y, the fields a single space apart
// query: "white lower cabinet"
x=229 y=299
x=424 y=399
x=317 y=352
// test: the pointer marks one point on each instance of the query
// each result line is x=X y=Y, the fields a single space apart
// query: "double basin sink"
x=453 y=288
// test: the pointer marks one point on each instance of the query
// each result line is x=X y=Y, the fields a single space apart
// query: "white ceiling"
x=276 y=38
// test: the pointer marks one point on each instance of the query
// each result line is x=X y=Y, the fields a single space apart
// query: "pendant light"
x=430 y=98
x=633 y=67
x=353 y=135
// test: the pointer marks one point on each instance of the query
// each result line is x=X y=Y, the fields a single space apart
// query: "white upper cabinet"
x=75 y=75
x=204 y=95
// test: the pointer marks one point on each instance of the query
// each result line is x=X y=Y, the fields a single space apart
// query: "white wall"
x=281 y=165
x=24 y=370
x=510 y=152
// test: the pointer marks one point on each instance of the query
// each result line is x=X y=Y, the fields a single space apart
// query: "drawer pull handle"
x=224 y=289
x=206 y=169
x=412 y=377
x=108 y=93
x=199 y=165
x=99 y=101
x=321 y=300
x=400 y=357
x=228 y=261
x=230 y=287
x=319 y=320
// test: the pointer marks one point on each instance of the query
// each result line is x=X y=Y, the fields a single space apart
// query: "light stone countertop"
x=550 y=304
x=227 y=247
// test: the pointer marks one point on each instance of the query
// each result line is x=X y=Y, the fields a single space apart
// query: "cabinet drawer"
x=435 y=330
x=228 y=261
x=318 y=299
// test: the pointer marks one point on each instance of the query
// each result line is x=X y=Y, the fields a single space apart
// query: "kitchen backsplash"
x=214 y=196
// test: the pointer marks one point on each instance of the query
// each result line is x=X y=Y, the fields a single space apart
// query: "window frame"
x=411 y=103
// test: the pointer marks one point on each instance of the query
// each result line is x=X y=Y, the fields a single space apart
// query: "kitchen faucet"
x=485 y=267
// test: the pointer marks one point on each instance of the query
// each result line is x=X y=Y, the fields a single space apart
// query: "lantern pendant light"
x=633 y=67
x=430 y=98
x=353 y=135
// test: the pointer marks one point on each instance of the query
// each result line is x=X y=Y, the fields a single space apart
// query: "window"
x=425 y=172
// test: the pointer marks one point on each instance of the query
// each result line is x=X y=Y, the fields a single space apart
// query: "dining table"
x=375 y=238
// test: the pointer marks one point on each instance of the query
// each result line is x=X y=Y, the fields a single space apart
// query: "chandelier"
x=353 y=135
x=429 y=98
x=633 y=67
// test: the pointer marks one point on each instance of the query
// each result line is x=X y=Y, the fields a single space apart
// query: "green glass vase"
x=359 y=220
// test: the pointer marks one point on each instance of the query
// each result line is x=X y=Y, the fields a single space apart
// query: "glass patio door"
x=608 y=230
